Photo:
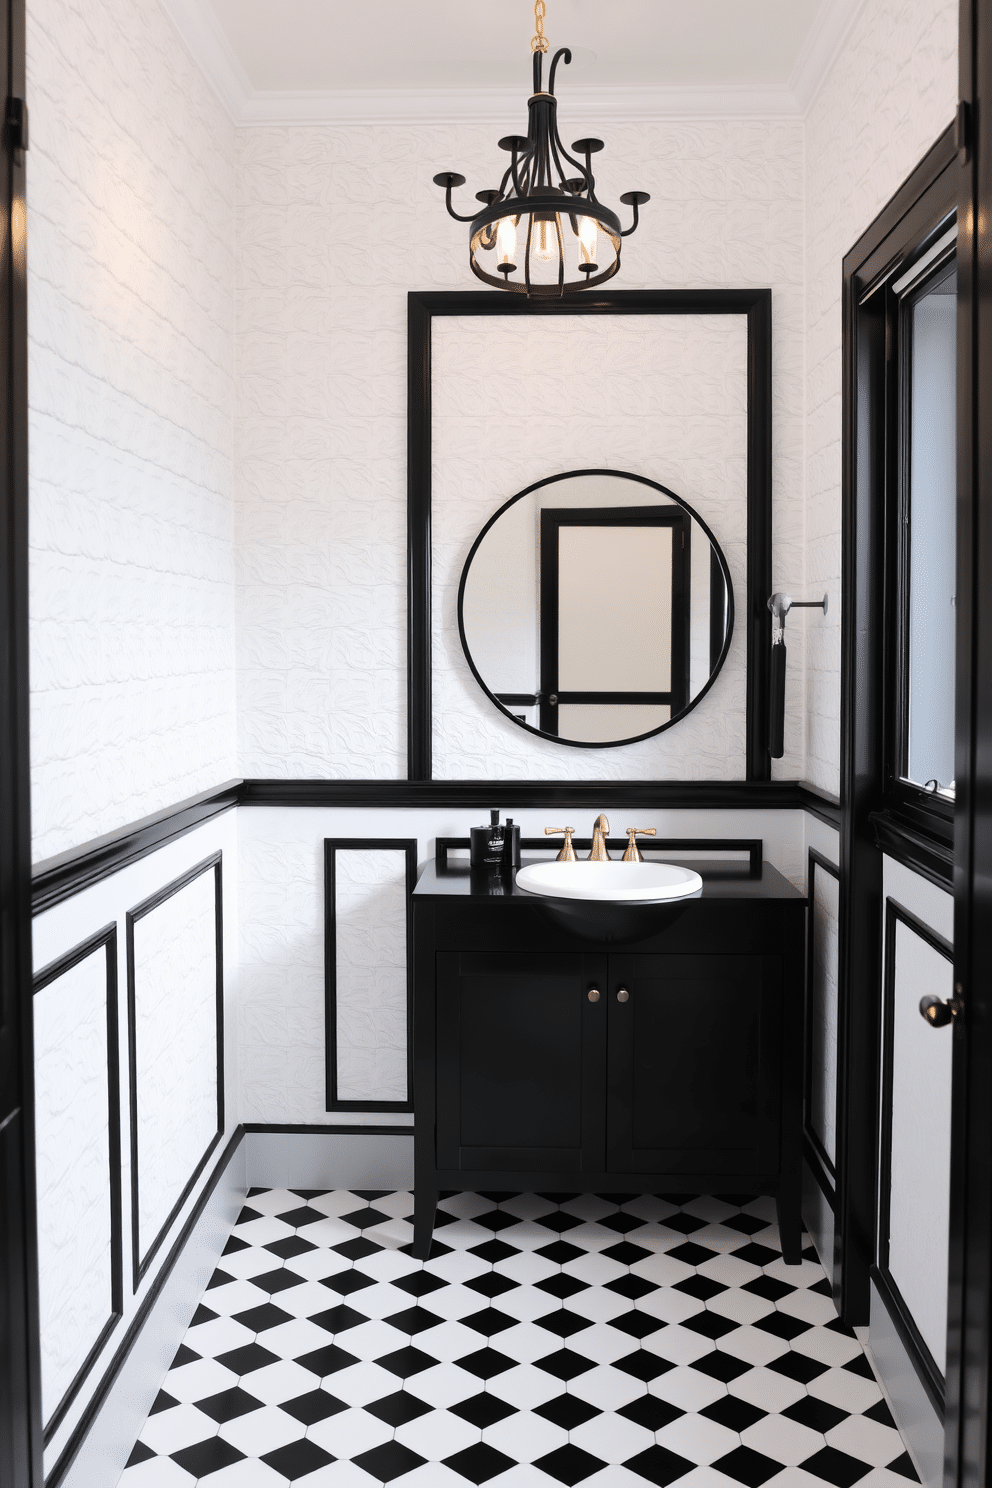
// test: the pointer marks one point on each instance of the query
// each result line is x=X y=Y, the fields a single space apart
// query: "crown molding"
x=204 y=38
x=832 y=25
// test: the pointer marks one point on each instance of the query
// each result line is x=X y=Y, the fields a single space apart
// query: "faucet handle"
x=567 y=854
x=633 y=853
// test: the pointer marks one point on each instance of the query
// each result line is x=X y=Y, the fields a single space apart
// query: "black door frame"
x=20 y=1371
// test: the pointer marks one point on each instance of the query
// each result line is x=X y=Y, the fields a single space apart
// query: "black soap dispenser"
x=495 y=846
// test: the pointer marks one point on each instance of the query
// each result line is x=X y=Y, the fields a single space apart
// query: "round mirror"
x=595 y=608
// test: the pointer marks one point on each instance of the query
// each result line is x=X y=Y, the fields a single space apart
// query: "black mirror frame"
x=756 y=305
x=715 y=548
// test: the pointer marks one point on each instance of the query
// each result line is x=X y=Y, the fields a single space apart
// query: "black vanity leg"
x=424 y=1210
x=788 y=1203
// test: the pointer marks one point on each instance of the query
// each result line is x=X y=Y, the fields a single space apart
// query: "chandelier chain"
x=540 y=41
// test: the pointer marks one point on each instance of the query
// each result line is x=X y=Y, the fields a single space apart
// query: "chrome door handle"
x=593 y=994
x=938 y=1012
x=623 y=995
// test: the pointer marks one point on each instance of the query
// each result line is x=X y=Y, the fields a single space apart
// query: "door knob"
x=623 y=995
x=937 y=1012
x=593 y=994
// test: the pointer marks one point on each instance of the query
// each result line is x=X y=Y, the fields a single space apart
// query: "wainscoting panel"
x=176 y=1044
x=367 y=971
x=821 y=1087
x=77 y=1103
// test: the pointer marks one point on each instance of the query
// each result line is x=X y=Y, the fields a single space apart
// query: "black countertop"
x=721 y=880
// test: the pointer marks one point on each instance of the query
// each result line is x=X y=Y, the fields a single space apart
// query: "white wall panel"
x=131 y=324
x=824 y=926
x=371 y=974
x=890 y=93
x=76 y=1171
x=320 y=443
x=513 y=402
x=175 y=1052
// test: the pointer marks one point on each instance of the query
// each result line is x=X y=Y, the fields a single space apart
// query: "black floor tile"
x=406 y=1361
x=364 y=1219
x=483 y=1410
x=277 y=1281
x=881 y=1414
x=347 y=1282
x=418 y=1283
x=338 y=1319
x=162 y=1402
x=904 y=1467
x=781 y=1325
x=247 y=1358
x=247 y=1215
x=297 y=1458
x=721 y=1366
x=567 y=1411
x=202 y=1315
x=327 y=1360
x=289 y=1246
x=643 y=1365
x=569 y=1464
x=207 y=1456
x=479 y=1463
x=651 y=1412
x=621 y=1222
x=389 y=1461
x=798 y=1367
x=701 y=1287
x=258 y=1319
x=768 y=1287
x=746 y=1223
x=563 y=1323
x=493 y=1251
x=819 y=1416
x=758 y=1255
x=485 y=1363
x=560 y=1252
x=836 y=1467
x=633 y=1287
x=746 y=1466
x=564 y=1364
x=413 y=1320
x=627 y=1253
x=637 y=1324
x=685 y=1224
x=710 y=1325
x=692 y=1254
x=234 y=1244
x=859 y=1365
x=660 y=1466
x=299 y=1217
x=140 y=1453
x=228 y=1404
x=561 y=1286
x=736 y=1415
x=315 y=1406
x=184 y=1355
x=354 y=1250
x=398 y=1408
x=492 y=1284
x=220 y=1278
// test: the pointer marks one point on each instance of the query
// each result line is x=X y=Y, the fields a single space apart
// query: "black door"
x=20 y=1407
x=694 y=1055
x=520 y=1062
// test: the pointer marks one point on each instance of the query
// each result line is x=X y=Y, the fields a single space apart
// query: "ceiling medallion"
x=544 y=225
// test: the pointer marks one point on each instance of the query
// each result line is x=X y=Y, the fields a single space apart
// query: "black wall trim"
x=127 y=1343
x=824 y=807
x=68 y=873
x=595 y=794
x=753 y=846
x=139 y=1263
x=816 y=1154
x=915 y=848
x=105 y=939
x=330 y=1131
x=332 y=846
x=756 y=304
x=923 y=1361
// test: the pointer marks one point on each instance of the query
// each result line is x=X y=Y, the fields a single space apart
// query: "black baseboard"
x=329 y=1131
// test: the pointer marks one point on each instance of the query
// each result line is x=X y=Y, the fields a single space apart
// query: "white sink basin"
x=611 y=883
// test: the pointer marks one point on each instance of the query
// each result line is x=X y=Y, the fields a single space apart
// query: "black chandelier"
x=543 y=217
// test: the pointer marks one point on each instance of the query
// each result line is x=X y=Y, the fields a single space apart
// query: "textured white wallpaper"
x=73 y=1170
x=131 y=318
x=175 y=1047
x=370 y=928
x=334 y=226
x=514 y=401
x=889 y=95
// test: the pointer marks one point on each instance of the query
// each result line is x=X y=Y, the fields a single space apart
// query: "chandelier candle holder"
x=544 y=232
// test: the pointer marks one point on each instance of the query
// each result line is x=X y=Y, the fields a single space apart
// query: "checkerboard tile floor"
x=551 y=1339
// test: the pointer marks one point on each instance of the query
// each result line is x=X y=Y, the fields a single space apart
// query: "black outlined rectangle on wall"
x=105 y=939
x=820 y=1163
x=141 y=1263
x=332 y=846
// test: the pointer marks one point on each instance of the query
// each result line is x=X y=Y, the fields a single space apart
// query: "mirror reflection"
x=595 y=608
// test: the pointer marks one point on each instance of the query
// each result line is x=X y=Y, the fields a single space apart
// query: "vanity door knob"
x=623 y=995
x=937 y=1012
x=593 y=994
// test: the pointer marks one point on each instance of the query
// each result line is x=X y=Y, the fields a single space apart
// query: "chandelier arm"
x=451 y=211
x=530 y=232
x=561 y=255
x=557 y=145
x=585 y=169
x=633 y=226
x=562 y=54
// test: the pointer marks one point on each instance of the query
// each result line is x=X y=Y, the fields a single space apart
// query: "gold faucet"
x=567 y=854
x=633 y=853
x=600 y=832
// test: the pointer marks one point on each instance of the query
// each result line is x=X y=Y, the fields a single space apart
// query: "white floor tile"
x=169 y=1431
x=662 y=1269
x=234 y=1296
x=606 y=1388
x=612 y=1438
x=826 y=1346
x=252 y=1261
x=372 y=1340
x=397 y=1205
x=453 y=1302
x=331 y=1230
x=261 y=1431
x=527 y=1342
x=525 y=1303
x=465 y=1233
x=525 y=1475
x=741 y=1307
x=264 y=1230
x=216 y=1337
x=449 y=1341
x=336 y=1202
x=350 y=1432
x=698 y=1438
x=873 y=1443
x=812 y=1307
x=595 y=1270
x=650 y=1207
x=429 y=1475
x=198 y=1380
x=678 y=1344
x=305 y=1300
x=720 y=1238
x=457 y=1265
x=783 y=1440
x=767 y=1389
x=316 y=1265
x=525 y=1387
x=387 y=1265
x=157 y=1472
x=591 y=1236
x=437 y=1435
x=670 y=1305
x=729 y=1270
x=339 y=1475
x=689 y=1389
x=622 y=1477
x=528 y=1206
x=465 y=1205
x=297 y=1337
x=525 y=1436
x=526 y=1269
x=599 y=1304
x=880 y=1477
x=591 y=1207
x=393 y=1234
x=604 y=1344
x=710 y=1208
x=806 y=1274
x=249 y=1473
x=443 y=1386
x=753 y=1345
x=361 y=1383
x=274 y=1201
x=762 y=1207
x=281 y=1381
x=528 y=1235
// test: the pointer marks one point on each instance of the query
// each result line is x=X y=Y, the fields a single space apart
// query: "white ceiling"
x=448 y=58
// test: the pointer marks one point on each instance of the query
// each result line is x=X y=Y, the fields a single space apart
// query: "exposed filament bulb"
x=547 y=242
x=588 y=238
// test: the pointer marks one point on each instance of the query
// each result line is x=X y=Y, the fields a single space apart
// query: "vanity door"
x=694 y=1064
x=521 y=1042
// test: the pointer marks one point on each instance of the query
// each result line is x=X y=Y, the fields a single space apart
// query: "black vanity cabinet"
x=546 y=1063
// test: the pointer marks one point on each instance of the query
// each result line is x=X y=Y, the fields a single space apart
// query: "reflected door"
x=614 y=620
